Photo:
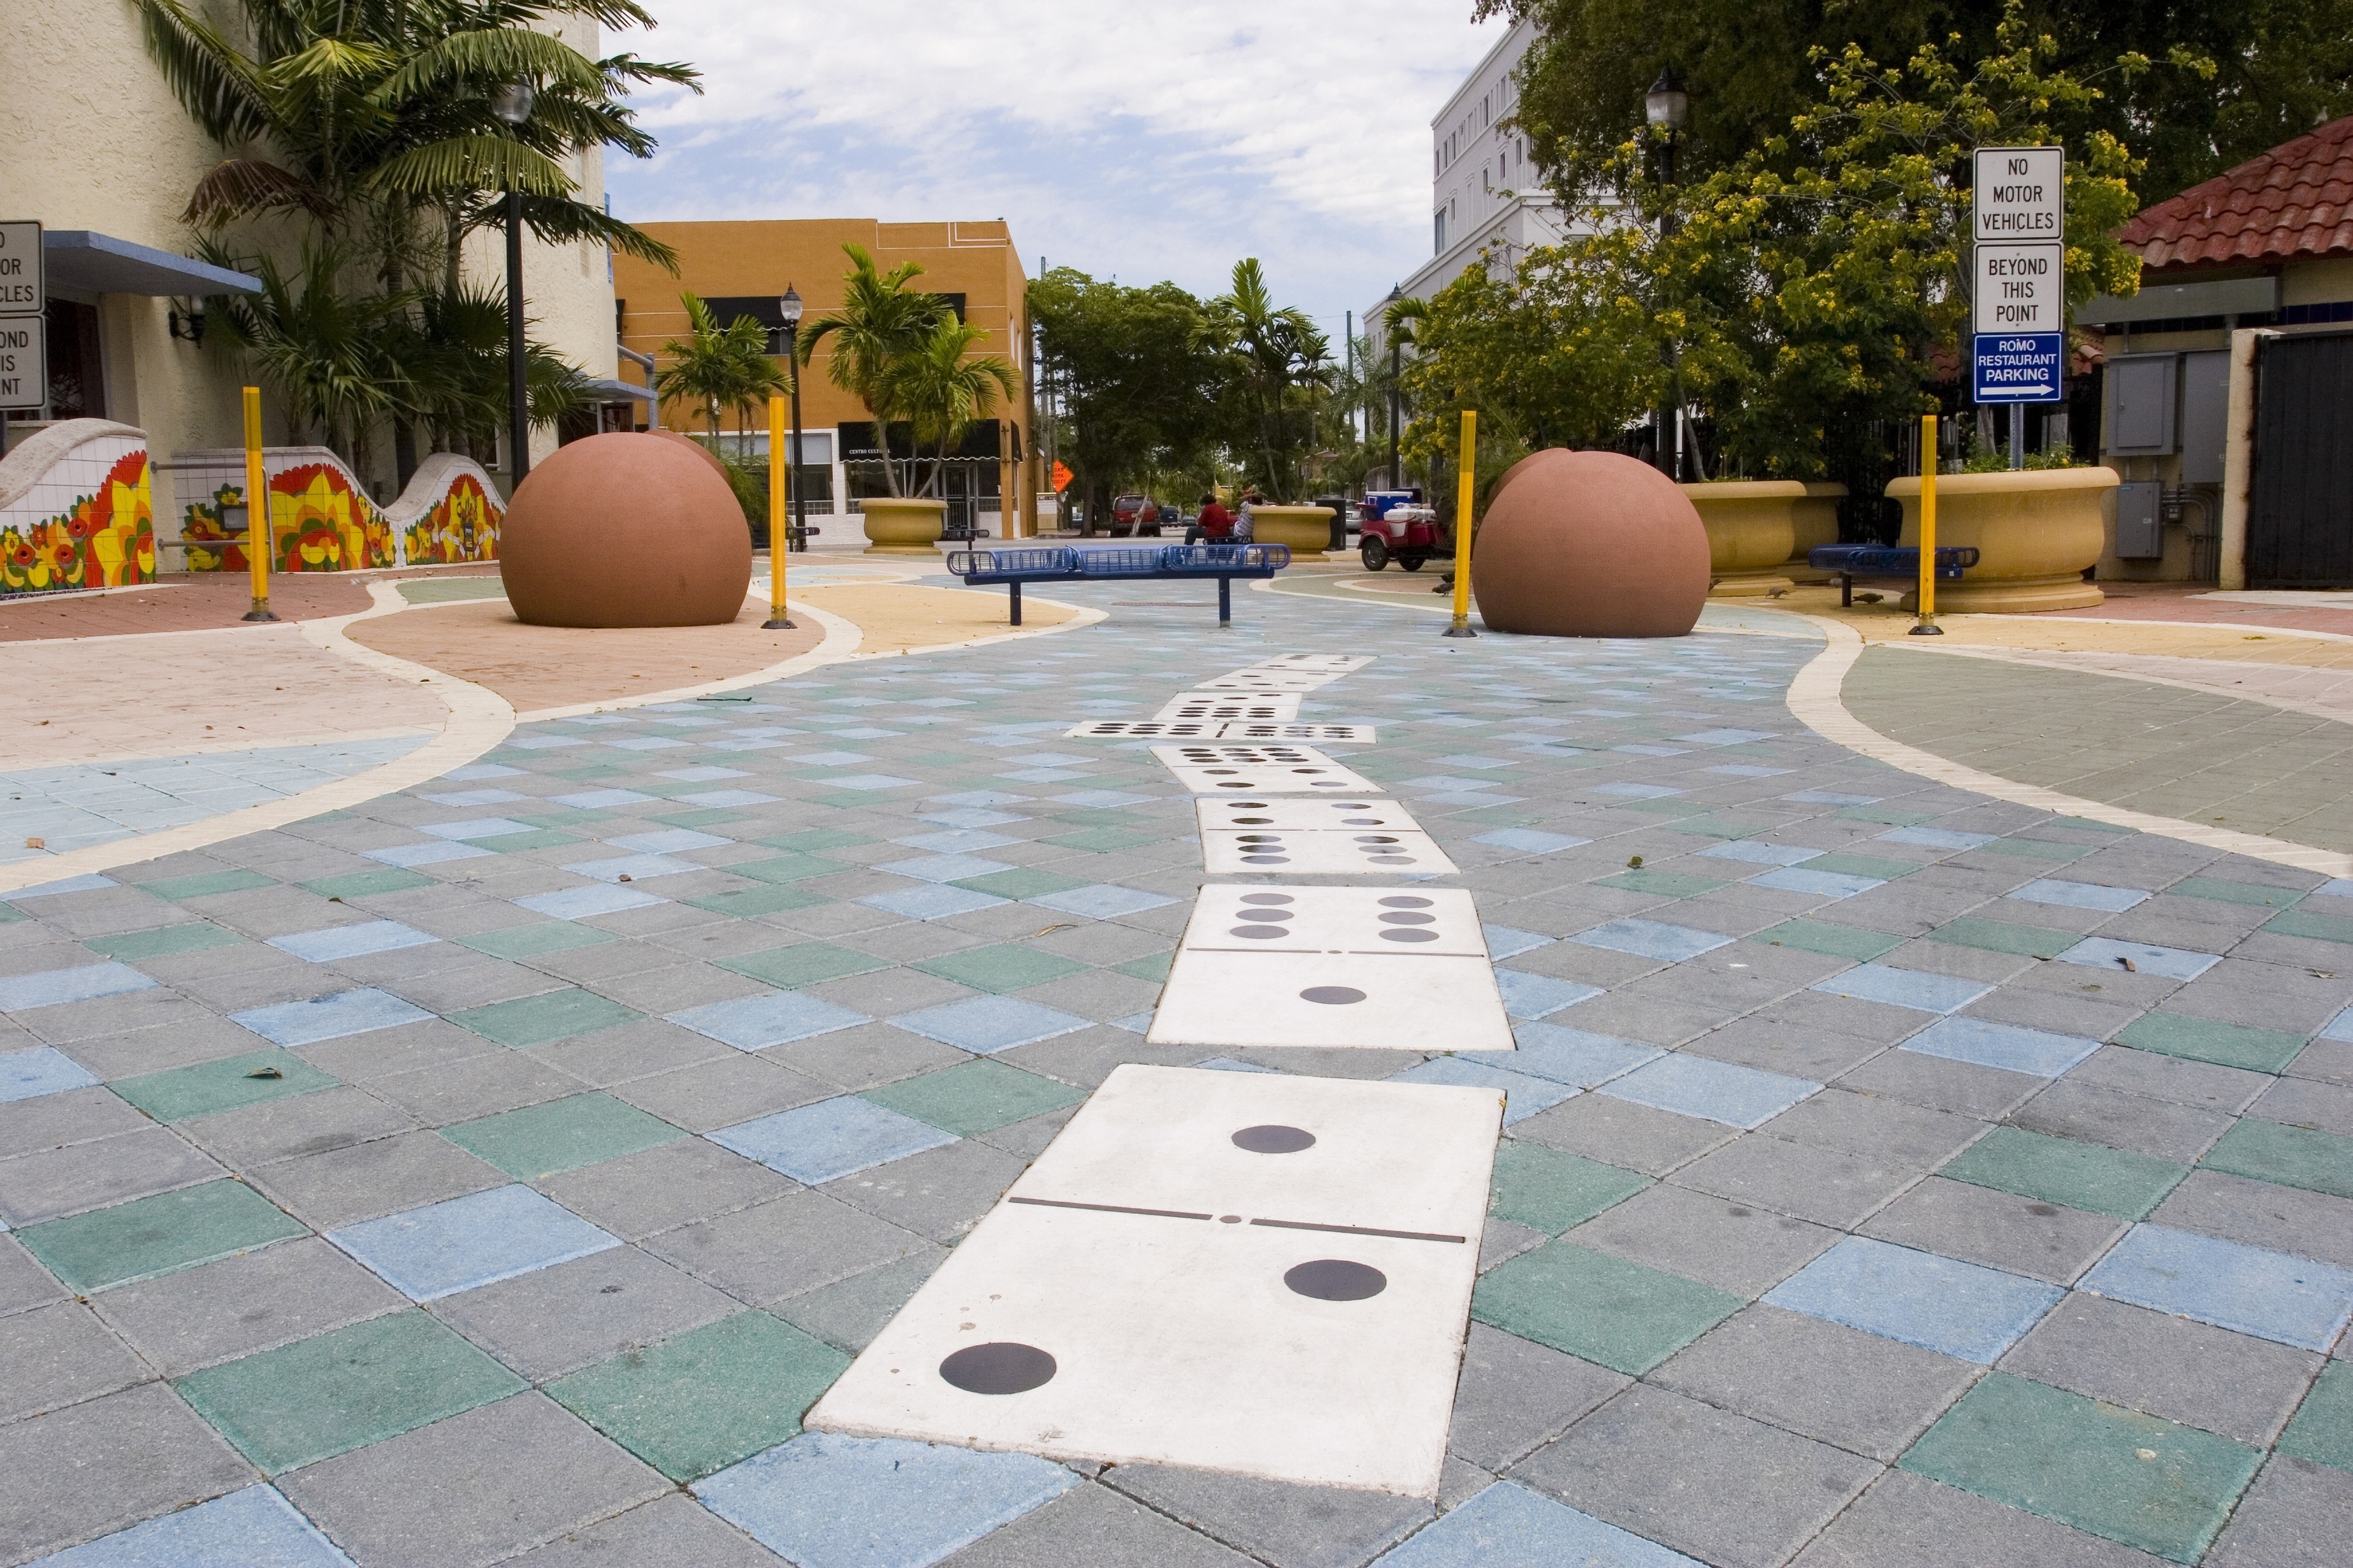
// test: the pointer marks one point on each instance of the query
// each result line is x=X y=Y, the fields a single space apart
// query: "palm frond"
x=214 y=83
x=474 y=62
x=241 y=188
x=472 y=162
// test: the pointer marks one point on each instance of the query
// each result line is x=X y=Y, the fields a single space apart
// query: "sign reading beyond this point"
x=2017 y=294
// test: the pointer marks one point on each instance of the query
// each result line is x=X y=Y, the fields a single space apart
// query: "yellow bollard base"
x=777 y=624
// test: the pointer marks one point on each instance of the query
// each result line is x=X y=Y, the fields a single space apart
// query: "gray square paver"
x=1819 y=1184
x=1514 y=1395
x=45 y=1463
x=1285 y=1526
x=1731 y=1246
x=785 y=1247
x=253 y=1301
x=2175 y=1367
x=1909 y=1521
x=1099 y=1528
x=554 y=1320
x=2002 y=1230
x=2293 y=1517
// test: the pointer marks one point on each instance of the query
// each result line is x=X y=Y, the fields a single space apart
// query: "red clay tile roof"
x=2296 y=200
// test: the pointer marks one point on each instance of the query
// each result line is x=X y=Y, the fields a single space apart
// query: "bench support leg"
x=1225 y=601
x=1846 y=591
x=1016 y=589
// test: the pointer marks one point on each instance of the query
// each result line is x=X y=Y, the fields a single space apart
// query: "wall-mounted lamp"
x=189 y=324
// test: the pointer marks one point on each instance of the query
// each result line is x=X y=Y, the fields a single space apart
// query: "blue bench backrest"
x=1118 y=562
x=1213 y=558
x=1053 y=562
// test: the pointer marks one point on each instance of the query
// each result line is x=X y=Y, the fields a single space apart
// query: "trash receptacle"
x=1340 y=510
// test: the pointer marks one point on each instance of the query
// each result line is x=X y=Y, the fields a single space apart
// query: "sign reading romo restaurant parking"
x=2018 y=304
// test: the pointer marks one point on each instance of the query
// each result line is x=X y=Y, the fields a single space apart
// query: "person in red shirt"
x=1215 y=524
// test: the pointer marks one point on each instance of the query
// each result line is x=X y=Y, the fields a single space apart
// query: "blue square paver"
x=1914 y=988
x=1508 y=1526
x=476 y=797
x=1746 y=770
x=970 y=816
x=980 y=799
x=830 y=1139
x=2271 y=1295
x=669 y=841
x=1756 y=853
x=636 y=867
x=931 y=901
x=474 y=771
x=1528 y=841
x=1718 y=1091
x=1636 y=791
x=706 y=773
x=2005 y=1045
x=1832 y=797
x=986 y=1025
x=867 y=783
x=1821 y=884
x=352 y=942
x=2340 y=1027
x=28 y=1075
x=824 y=1500
x=1102 y=901
x=252 y=1528
x=1726 y=737
x=1957 y=1309
x=457 y=1245
x=1523 y=1096
x=1539 y=996
x=956 y=841
x=85 y=884
x=1937 y=838
x=474 y=827
x=647 y=743
x=604 y=799
x=1653 y=939
x=755 y=1023
x=727 y=798
x=55 y=987
x=433 y=854
x=1504 y=943
x=1103 y=799
x=329 y=1018
x=579 y=903
x=2173 y=963
x=944 y=867
x=2078 y=895
x=1568 y=1056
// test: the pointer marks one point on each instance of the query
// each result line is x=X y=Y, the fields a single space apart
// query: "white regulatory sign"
x=2019 y=194
x=2020 y=288
x=20 y=269
x=24 y=361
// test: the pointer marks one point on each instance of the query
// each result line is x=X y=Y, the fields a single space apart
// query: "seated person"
x=1215 y=524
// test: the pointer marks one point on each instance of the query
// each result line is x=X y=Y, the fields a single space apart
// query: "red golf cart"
x=1402 y=531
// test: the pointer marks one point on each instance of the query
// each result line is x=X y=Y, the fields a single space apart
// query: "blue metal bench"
x=1852 y=561
x=1170 y=561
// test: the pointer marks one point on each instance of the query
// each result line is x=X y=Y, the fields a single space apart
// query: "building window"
x=1438 y=224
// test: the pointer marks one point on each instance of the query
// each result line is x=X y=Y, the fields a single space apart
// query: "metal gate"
x=2300 y=514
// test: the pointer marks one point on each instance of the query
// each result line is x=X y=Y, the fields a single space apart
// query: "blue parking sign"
x=2018 y=367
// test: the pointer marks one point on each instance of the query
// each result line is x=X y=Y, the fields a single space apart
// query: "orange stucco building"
x=741 y=268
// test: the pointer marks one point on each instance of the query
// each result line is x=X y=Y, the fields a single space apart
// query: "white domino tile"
x=1304 y=852
x=1381 y=921
x=1330 y=663
x=1269 y=681
x=1242 y=812
x=1273 y=768
x=1223 y=705
x=1143 y=728
x=1258 y=1274
x=1335 y=734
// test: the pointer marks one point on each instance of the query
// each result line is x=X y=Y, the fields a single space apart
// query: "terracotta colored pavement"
x=2182 y=602
x=193 y=601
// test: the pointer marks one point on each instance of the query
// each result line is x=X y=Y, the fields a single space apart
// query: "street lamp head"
x=789 y=308
x=1667 y=104
x=512 y=103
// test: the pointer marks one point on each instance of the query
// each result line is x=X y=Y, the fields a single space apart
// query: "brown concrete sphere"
x=697 y=448
x=627 y=529
x=1589 y=545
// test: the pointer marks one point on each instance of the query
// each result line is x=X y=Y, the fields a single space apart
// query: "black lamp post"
x=511 y=105
x=1668 y=106
x=788 y=308
x=1388 y=325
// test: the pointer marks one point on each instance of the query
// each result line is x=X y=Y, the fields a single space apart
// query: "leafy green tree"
x=943 y=390
x=881 y=323
x=717 y=368
x=1278 y=364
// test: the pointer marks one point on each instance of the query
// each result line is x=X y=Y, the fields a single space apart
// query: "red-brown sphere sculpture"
x=627 y=529
x=1589 y=545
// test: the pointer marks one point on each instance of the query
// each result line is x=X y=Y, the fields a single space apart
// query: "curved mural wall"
x=77 y=509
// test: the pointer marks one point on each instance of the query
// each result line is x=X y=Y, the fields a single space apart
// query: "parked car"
x=1135 y=515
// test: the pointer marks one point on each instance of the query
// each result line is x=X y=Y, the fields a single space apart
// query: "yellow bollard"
x=780 y=537
x=1464 y=495
x=1927 y=627
x=256 y=509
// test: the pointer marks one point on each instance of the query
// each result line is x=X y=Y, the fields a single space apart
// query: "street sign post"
x=2018 y=300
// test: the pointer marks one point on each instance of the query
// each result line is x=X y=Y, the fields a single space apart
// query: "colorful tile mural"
x=319 y=521
x=104 y=540
x=463 y=525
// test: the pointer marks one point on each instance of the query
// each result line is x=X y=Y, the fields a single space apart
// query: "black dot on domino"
x=1273 y=1138
x=1267 y=899
x=1333 y=995
x=1403 y=903
x=1003 y=1367
x=1336 y=1280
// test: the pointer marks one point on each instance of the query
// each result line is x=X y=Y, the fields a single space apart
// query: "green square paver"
x=1604 y=1309
x=2003 y=936
x=1722 y=826
x=194 y=936
x=179 y=1093
x=204 y=884
x=368 y=884
x=1873 y=865
x=2108 y=1471
x=1153 y=968
x=2035 y=848
x=538 y=838
x=1677 y=809
x=319 y=1397
x=1547 y=1190
x=1666 y=884
x=746 y=903
x=1832 y=941
x=2323 y=1428
x=161 y=1235
x=534 y=941
x=707 y=816
x=2210 y=1040
x=811 y=837
x=542 y=1140
x=2292 y=1157
x=2316 y=928
x=1895 y=816
x=2066 y=1170
x=1022 y=882
x=2221 y=891
x=806 y=963
x=974 y=1096
x=1007 y=966
x=1101 y=840
x=554 y=1015
x=699 y=1403
x=786 y=868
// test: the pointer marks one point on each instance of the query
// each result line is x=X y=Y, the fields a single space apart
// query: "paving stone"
x=246 y=1302
x=784 y=1247
x=1096 y=1526
x=2306 y=1102
x=2184 y=1371
x=546 y=1140
x=1508 y=1526
x=1877 y=1129
x=1284 y=1525
x=1705 y=1481
x=23 y=1282
x=1963 y=1087
x=319 y=1397
x=59 y=1356
x=1515 y=1394
x=1909 y=1521
x=251 y=1528
x=2291 y=1156
x=1860 y=1392
x=552 y=1015
x=317 y=1123
x=46 y=1464
x=671 y=1528
x=462 y=1244
x=2261 y=1214
x=2323 y=1428
x=365 y=1181
x=2160 y=1129
x=2081 y=1462
x=2177 y=1078
x=2211 y=1040
x=1730 y=1246
x=1614 y=1132
x=1823 y=1185
x=1961 y=1309
x=2293 y=1517
x=670 y=1184
x=1999 y=1229
x=84 y=1176
x=1597 y=1308
x=940 y=1193
x=976 y=1096
x=450 y=1495
x=2275 y=1294
x=2066 y=1170
x=557 y=1320
x=1550 y=1191
x=156 y=1235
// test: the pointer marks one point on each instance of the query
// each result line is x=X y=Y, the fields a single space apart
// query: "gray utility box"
x=2140 y=521
x=2160 y=404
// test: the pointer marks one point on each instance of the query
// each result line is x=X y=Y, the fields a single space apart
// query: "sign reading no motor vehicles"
x=2017 y=298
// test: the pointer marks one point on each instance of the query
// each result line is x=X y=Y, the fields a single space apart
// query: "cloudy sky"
x=1137 y=141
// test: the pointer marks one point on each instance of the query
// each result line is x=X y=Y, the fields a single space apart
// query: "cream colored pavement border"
x=1814 y=697
x=479 y=719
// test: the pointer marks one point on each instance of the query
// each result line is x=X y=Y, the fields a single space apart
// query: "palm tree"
x=1275 y=351
x=718 y=367
x=880 y=323
x=942 y=393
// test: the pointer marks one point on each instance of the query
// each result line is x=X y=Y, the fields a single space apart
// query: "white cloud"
x=1149 y=140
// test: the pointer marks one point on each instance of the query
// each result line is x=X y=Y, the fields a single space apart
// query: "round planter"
x=903 y=526
x=1307 y=529
x=1814 y=520
x=2035 y=530
x=1750 y=533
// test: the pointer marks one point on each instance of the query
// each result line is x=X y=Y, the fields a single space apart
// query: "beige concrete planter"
x=1814 y=520
x=2035 y=532
x=903 y=526
x=1307 y=529
x=1753 y=531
